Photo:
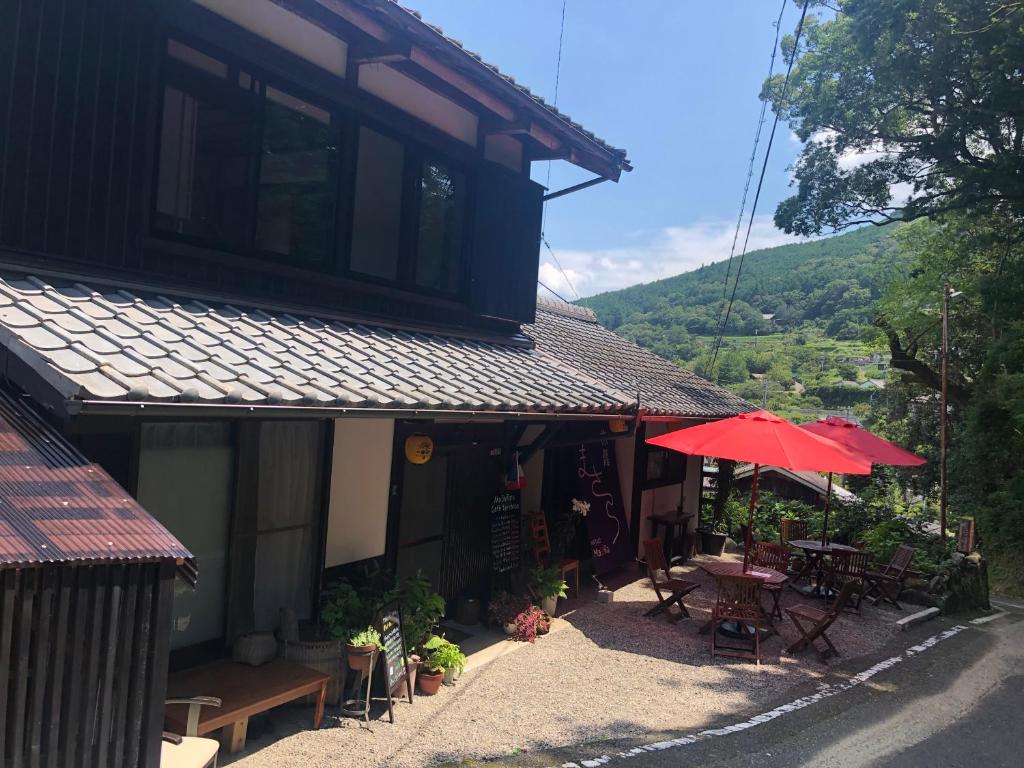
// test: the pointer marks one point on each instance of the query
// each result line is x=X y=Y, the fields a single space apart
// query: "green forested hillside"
x=819 y=351
x=829 y=284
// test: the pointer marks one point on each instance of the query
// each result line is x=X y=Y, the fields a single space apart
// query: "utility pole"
x=764 y=396
x=943 y=410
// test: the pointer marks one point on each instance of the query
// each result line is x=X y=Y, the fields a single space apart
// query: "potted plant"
x=422 y=609
x=529 y=623
x=504 y=609
x=548 y=584
x=361 y=647
x=446 y=658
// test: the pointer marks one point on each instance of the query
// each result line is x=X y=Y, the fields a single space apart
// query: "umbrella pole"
x=750 y=519
x=828 y=504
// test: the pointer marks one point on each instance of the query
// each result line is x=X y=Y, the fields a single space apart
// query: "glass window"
x=377 y=211
x=440 y=227
x=295 y=211
x=186 y=480
x=244 y=166
x=204 y=167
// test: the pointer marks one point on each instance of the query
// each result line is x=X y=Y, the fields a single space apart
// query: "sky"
x=676 y=84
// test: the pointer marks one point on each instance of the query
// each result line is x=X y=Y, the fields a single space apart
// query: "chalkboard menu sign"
x=394 y=646
x=965 y=536
x=506 y=524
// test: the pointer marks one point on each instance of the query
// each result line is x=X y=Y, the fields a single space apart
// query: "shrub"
x=531 y=622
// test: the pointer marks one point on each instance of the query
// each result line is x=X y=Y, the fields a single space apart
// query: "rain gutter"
x=241 y=410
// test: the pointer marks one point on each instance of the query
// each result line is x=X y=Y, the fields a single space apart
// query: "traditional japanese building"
x=248 y=249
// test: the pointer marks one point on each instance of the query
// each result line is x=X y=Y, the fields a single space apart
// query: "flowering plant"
x=505 y=607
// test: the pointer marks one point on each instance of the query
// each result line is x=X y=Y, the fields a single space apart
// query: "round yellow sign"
x=418 y=449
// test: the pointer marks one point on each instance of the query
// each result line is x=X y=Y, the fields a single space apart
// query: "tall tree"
x=898 y=97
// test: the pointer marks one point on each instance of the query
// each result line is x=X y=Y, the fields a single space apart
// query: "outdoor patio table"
x=767 y=576
x=815 y=553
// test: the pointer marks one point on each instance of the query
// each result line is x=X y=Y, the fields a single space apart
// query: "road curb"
x=916 y=618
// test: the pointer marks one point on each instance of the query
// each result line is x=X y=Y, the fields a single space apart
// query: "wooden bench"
x=244 y=691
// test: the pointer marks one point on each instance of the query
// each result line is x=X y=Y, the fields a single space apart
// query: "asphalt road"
x=958 y=703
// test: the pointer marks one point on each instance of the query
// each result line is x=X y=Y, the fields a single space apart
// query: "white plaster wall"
x=285 y=29
x=392 y=86
x=360 y=484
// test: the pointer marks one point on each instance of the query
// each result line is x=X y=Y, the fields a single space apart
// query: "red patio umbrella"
x=859 y=441
x=760 y=438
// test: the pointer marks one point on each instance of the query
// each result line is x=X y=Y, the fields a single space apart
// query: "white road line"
x=987 y=619
x=826 y=690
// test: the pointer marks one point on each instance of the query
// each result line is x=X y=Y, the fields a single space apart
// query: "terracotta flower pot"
x=412 y=666
x=359 y=656
x=429 y=682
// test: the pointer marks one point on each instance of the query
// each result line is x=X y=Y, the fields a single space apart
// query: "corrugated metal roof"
x=573 y=335
x=103 y=342
x=57 y=507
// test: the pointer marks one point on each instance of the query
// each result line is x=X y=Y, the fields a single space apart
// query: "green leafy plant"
x=444 y=655
x=548 y=582
x=422 y=608
x=342 y=611
x=368 y=636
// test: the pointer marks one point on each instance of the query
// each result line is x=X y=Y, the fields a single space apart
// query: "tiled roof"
x=813 y=481
x=100 y=342
x=573 y=335
x=56 y=507
x=417 y=18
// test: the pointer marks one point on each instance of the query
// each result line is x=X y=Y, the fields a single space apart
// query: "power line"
x=559 y=265
x=552 y=290
x=750 y=171
x=547 y=182
x=760 y=183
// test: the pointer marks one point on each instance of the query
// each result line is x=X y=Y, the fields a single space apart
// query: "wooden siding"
x=79 y=113
x=73 y=107
x=83 y=665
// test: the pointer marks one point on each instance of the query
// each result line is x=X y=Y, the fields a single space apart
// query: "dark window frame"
x=416 y=154
x=179 y=74
x=346 y=121
x=673 y=468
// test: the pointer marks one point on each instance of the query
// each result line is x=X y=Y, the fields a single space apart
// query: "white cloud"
x=669 y=251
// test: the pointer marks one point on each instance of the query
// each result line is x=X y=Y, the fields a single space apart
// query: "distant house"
x=808 y=487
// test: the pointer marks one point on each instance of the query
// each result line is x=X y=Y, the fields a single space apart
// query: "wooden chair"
x=790 y=530
x=190 y=750
x=542 y=549
x=776 y=557
x=677 y=589
x=887 y=583
x=813 y=623
x=739 y=600
x=846 y=567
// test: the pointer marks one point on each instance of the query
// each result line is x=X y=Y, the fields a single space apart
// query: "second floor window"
x=251 y=167
x=244 y=166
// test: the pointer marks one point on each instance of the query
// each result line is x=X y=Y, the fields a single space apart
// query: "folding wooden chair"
x=677 y=589
x=813 y=623
x=848 y=567
x=887 y=584
x=776 y=557
x=739 y=600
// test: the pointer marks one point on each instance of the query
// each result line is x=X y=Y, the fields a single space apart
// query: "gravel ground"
x=609 y=673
